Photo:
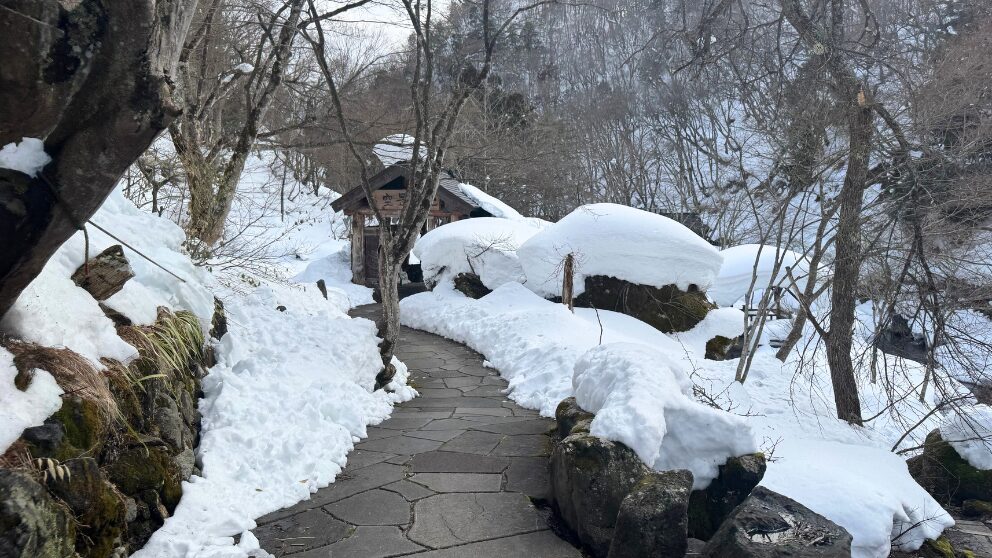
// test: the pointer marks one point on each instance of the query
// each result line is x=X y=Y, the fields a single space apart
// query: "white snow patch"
x=24 y=409
x=486 y=246
x=28 y=156
x=969 y=431
x=618 y=241
x=642 y=398
x=739 y=269
x=397 y=148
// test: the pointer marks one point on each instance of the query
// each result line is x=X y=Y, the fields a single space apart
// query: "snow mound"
x=24 y=409
x=28 y=156
x=486 y=246
x=290 y=395
x=867 y=491
x=397 y=148
x=642 y=398
x=622 y=242
x=725 y=322
x=739 y=269
x=969 y=431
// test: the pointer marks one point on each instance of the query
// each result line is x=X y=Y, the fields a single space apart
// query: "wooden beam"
x=358 y=249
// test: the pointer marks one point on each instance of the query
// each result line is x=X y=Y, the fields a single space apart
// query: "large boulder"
x=769 y=525
x=946 y=475
x=32 y=524
x=569 y=414
x=590 y=477
x=668 y=308
x=708 y=508
x=652 y=519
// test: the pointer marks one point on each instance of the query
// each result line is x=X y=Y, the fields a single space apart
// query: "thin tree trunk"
x=847 y=264
x=389 y=329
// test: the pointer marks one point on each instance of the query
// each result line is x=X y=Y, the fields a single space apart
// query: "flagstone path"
x=456 y=472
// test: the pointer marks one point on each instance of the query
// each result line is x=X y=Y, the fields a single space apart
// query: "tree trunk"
x=847 y=264
x=389 y=329
x=96 y=113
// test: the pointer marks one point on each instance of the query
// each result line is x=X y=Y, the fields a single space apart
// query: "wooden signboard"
x=393 y=200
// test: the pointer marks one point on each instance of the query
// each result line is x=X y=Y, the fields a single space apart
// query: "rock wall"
x=106 y=470
x=617 y=507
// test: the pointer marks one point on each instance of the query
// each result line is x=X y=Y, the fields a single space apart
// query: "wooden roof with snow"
x=451 y=200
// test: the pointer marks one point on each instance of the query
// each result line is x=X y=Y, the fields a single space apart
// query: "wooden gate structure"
x=389 y=194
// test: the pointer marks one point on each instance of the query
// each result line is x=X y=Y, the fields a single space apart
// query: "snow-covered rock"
x=24 y=409
x=742 y=264
x=969 y=431
x=485 y=246
x=642 y=398
x=618 y=241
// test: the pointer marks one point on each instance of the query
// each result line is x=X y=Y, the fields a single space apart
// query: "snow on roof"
x=396 y=148
x=618 y=241
x=738 y=267
x=485 y=246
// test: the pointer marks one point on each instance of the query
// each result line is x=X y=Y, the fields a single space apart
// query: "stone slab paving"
x=453 y=473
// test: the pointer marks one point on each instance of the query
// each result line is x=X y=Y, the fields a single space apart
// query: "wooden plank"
x=358 y=249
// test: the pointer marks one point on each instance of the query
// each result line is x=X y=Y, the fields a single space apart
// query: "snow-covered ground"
x=292 y=390
x=648 y=387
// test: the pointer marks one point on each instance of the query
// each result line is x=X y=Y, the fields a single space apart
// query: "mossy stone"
x=668 y=309
x=84 y=425
x=32 y=523
x=947 y=476
x=976 y=508
x=97 y=506
x=147 y=468
x=940 y=547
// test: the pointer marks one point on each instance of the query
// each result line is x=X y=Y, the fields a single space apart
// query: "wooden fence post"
x=568 y=274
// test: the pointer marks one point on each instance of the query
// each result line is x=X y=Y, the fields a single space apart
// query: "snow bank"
x=969 y=431
x=739 y=269
x=723 y=322
x=290 y=395
x=642 y=398
x=867 y=491
x=486 y=246
x=622 y=242
x=24 y=409
x=54 y=312
x=28 y=156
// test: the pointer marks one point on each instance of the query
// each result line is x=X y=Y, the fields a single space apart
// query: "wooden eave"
x=354 y=200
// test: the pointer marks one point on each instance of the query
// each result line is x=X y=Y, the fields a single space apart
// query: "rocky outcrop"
x=104 y=275
x=769 y=525
x=616 y=506
x=710 y=507
x=471 y=285
x=668 y=309
x=32 y=523
x=653 y=517
x=116 y=453
x=947 y=476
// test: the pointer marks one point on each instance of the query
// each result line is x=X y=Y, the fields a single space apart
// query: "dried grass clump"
x=73 y=372
x=171 y=344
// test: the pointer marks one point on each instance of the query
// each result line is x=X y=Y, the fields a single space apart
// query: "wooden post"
x=358 y=248
x=568 y=274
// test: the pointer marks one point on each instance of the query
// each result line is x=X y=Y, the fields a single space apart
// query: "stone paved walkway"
x=453 y=473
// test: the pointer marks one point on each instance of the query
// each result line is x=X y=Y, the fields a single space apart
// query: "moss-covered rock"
x=568 y=415
x=471 y=285
x=976 y=508
x=668 y=309
x=946 y=475
x=32 y=523
x=97 y=506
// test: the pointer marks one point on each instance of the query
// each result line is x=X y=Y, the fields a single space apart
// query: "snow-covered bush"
x=739 y=269
x=485 y=246
x=618 y=241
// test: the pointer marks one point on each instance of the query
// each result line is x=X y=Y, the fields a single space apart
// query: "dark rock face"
x=568 y=415
x=32 y=524
x=653 y=517
x=946 y=475
x=769 y=525
x=708 y=508
x=94 y=502
x=471 y=285
x=668 y=308
x=104 y=275
x=590 y=477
